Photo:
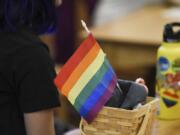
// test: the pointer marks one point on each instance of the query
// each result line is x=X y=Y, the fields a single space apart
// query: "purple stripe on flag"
x=97 y=93
x=104 y=98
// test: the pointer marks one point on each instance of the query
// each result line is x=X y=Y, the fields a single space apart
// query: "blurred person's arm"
x=40 y=123
x=37 y=94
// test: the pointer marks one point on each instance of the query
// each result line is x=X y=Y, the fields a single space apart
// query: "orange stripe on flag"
x=74 y=61
x=88 y=59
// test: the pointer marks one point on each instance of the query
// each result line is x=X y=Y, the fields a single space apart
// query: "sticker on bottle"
x=163 y=64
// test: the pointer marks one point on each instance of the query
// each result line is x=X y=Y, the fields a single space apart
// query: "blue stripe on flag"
x=97 y=93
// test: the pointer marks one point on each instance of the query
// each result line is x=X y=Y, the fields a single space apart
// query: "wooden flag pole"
x=85 y=27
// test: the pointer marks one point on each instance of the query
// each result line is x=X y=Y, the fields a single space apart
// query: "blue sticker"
x=163 y=63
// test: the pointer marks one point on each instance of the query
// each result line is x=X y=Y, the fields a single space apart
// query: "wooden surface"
x=144 y=26
x=167 y=127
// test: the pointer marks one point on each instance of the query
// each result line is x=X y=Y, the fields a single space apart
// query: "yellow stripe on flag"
x=86 y=76
x=80 y=69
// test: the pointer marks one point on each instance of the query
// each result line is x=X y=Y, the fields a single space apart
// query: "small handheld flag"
x=87 y=79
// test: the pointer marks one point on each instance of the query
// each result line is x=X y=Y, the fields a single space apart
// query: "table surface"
x=167 y=127
x=144 y=26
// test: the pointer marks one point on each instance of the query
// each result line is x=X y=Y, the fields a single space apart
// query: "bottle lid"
x=170 y=35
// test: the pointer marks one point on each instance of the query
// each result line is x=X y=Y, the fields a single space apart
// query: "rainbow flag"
x=87 y=79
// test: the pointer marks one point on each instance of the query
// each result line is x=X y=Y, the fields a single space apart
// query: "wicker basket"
x=115 y=121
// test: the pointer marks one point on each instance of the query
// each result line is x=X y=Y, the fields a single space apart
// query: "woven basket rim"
x=128 y=114
x=150 y=100
x=145 y=111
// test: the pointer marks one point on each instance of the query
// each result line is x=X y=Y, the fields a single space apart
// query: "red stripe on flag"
x=80 y=69
x=75 y=59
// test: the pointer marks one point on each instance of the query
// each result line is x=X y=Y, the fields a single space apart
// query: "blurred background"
x=129 y=31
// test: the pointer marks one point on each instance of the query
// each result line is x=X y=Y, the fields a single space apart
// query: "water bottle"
x=168 y=73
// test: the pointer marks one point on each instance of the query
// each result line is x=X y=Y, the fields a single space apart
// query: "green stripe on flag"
x=87 y=90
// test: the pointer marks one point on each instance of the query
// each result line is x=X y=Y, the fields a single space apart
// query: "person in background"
x=107 y=10
x=28 y=95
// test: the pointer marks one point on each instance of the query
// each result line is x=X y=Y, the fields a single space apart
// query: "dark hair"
x=35 y=15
